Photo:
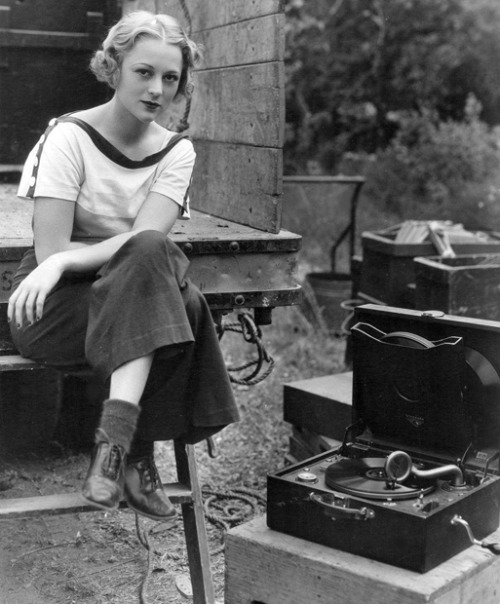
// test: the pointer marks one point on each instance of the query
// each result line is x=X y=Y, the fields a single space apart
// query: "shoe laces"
x=115 y=457
x=149 y=470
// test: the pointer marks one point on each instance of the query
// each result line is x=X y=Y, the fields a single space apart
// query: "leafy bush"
x=350 y=65
x=440 y=170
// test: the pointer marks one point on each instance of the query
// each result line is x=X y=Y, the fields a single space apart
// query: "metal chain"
x=253 y=335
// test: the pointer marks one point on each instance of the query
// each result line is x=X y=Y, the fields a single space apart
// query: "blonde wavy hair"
x=121 y=38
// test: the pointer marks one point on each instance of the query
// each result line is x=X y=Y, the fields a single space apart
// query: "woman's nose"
x=155 y=86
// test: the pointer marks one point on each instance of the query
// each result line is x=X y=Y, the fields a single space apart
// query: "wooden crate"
x=267 y=567
x=321 y=405
x=465 y=285
x=388 y=269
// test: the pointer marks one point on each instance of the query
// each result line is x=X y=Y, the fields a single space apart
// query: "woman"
x=104 y=285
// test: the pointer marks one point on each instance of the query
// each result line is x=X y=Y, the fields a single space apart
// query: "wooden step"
x=39 y=404
x=15 y=362
x=322 y=405
x=70 y=503
x=264 y=566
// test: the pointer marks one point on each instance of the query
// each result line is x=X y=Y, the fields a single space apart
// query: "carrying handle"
x=338 y=512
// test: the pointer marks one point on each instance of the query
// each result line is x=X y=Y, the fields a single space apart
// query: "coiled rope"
x=229 y=508
x=253 y=335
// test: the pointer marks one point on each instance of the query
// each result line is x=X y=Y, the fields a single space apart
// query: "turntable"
x=416 y=479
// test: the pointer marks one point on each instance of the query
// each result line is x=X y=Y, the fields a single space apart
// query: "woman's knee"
x=145 y=243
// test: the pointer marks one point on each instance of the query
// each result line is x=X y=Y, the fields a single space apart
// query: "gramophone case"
x=421 y=458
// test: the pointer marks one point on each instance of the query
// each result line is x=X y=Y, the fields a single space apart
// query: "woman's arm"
x=53 y=224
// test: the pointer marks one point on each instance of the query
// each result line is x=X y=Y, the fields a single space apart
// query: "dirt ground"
x=88 y=557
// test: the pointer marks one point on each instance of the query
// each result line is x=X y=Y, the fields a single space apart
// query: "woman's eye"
x=144 y=73
x=171 y=77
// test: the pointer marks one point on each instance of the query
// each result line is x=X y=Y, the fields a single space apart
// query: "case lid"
x=426 y=381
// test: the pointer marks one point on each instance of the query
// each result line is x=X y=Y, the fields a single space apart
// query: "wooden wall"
x=237 y=113
x=45 y=49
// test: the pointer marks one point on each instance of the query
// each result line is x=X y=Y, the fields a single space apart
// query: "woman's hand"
x=27 y=302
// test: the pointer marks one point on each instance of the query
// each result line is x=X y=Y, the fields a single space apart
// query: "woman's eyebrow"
x=142 y=64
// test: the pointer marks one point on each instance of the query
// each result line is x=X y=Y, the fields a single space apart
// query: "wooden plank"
x=321 y=179
x=240 y=105
x=43 y=39
x=266 y=566
x=239 y=183
x=54 y=15
x=204 y=233
x=244 y=273
x=205 y=14
x=14 y=362
x=254 y=41
x=194 y=526
x=207 y=229
x=323 y=405
x=70 y=503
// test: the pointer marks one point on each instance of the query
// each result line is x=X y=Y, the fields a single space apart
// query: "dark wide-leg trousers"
x=138 y=303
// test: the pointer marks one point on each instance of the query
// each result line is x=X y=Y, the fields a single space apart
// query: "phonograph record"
x=416 y=479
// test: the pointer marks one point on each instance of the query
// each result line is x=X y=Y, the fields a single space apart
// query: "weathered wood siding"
x=237 y=113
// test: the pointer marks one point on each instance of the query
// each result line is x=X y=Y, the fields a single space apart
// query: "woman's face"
x=149 y=78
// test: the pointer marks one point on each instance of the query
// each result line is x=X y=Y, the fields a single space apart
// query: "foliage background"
x=406 y=92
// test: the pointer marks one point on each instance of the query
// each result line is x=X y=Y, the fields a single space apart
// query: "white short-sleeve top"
x=74 y=162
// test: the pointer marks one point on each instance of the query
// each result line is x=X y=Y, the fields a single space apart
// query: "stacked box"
x=464 y=285
x=388 y=272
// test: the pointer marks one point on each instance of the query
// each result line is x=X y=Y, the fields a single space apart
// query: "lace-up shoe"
x=144 y=492
x=103 y=486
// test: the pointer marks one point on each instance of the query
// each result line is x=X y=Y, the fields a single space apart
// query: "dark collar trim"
x=114 y=154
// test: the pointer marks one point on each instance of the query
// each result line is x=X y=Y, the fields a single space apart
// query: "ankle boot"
x=144 y=492
x=103 y=485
